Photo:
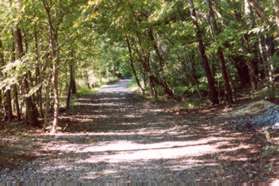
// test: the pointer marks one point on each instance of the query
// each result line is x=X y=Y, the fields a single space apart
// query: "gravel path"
x=116 y=138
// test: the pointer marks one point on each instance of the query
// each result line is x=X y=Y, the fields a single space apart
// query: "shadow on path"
x=117 y=136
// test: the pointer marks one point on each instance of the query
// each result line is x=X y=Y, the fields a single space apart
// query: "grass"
x=193 y=103
x=133 y=86
x=84 y=90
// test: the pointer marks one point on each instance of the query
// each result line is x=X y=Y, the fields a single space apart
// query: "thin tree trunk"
x=53 y=44
x=156 y=48
x=72 y=84
x=133 y=66
x=16 y=102
x=160 y=80
x=55 y=84
x=69 y=95
x=46 y=104
x=15 y=87
x=73 y=74
x=38 y=73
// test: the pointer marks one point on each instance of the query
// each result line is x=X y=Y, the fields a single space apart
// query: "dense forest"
x=220 y=51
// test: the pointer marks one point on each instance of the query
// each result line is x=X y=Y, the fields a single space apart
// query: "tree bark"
x=31 y=112
x=73 y=73
x=53 y=44
x=15 y=87
x=160 y=80
x=156 y=48
x=7 y=101
x=213 y=94
x=39 y=98
x=216 y=31
x=133 y=66
x=72 y=83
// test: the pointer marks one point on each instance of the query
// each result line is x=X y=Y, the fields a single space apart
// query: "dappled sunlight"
x=115 y=156
x=112 y=136
x=151 y=154
x=100 y=104
x=122 y=151
x=139 y=92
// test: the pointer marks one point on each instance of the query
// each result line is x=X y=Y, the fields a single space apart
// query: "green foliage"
x=83 y=90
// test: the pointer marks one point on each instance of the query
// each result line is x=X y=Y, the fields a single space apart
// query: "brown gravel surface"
x=115 y=136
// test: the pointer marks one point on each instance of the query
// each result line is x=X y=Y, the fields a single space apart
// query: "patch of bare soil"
x=116 y=136
x=16 y=146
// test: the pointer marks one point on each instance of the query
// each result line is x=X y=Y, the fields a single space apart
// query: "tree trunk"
x=7 y=101
x=8 y=112
x=72 y=85
x=213 y=94
x=242 y=71
x=16 y=102
x=46 y=104
x=31 y=112
x=53 y=44
x=153 y=80
x=147 y=69
x=55 y=82
x=69 y=95
x=73 y=74
x=39 y=98
x=228 y=89
x=156 y=48
x=216 y=31
x=252 y=74
x=133 y=66
x=15 y=87
x=160 y=80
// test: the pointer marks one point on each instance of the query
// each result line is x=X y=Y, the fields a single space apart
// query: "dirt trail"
x=116 y=136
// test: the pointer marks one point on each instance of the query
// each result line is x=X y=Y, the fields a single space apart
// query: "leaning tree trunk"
x=160 y=80
x=213 y=94
x=133 y=66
